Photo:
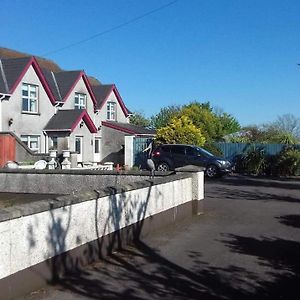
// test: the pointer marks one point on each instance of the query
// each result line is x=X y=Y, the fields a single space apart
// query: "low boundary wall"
x=41 y=241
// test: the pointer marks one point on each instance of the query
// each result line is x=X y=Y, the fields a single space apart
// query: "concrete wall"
x=33 y=237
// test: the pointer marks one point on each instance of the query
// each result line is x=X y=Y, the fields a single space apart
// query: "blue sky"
x=241 y=55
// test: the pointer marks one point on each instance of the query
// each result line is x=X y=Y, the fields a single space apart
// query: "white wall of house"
x=80 y=87
x=88 y=141
x=102 y=115
x=88 y=138
x=27 y=123
x=32 y=124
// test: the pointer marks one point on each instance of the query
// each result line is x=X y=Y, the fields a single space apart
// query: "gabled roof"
x=13 y=70
x=51 y=80
x=102 y=93
x=57 y=83
x=67 y=120
x=129 y=128
x=3 y=83
x=66 y=81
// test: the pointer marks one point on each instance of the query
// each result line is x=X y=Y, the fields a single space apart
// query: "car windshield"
x=205 y=152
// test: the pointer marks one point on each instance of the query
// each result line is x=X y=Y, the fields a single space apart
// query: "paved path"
x=245 y=246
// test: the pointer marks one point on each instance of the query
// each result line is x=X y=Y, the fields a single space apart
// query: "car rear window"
x=178 y=150
x=166 y=149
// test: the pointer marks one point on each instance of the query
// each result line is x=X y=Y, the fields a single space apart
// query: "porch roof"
x=129 y=128
x=67 y=120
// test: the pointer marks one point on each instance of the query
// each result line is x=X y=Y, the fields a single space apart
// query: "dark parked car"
x=168 y=157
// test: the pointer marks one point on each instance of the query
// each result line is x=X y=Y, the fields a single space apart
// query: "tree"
x=202 y=116
x=180 y=130
x=138 y=118
x=213 y=125
x=276 y=136
x=286 y=123
x=264 y=134
x=165 y=115
x=228 y=124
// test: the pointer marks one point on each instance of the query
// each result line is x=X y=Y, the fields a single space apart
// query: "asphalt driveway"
x=245 y=246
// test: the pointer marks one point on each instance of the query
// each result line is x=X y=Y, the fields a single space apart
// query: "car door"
x=178 y=155
x=195 y=157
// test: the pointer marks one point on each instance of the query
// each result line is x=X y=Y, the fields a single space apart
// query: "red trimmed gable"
x=119 y=98
x=33 y=62
x=87 y=120
x=87 y=84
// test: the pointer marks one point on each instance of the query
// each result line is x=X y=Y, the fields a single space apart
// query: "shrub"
x=288 y=161
x=180 y=131
x=255 y=161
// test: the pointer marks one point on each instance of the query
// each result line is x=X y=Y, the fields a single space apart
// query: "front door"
x=97 y=149
x=79 y=148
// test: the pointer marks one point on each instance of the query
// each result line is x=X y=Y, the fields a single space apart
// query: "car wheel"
x=211 y=171
x=163 y=167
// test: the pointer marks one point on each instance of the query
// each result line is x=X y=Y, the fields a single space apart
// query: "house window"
x=78 y=144
x=31 y=141
x=54 y=142
x=80 y=101
x=111 y=111
x=29 y=98
x=97 y=145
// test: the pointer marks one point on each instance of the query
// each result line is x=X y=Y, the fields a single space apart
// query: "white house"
x=49 y=108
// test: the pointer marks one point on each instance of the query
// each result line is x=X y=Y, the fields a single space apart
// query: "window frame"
x=80 y=140
x=97 y=145
x=81 y=100
x=28 y=98
x=27 y=140
x=54 y=142
x=111 y=111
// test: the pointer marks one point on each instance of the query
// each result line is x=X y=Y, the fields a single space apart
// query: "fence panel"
x=230 y=150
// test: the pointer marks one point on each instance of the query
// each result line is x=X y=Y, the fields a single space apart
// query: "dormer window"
x=80 y=101
x=111 y=111
x=29 y=98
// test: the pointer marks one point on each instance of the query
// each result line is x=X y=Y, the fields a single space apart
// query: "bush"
x=288 y=161
x=254 y=161
x=240 y=163
x=180 y=131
